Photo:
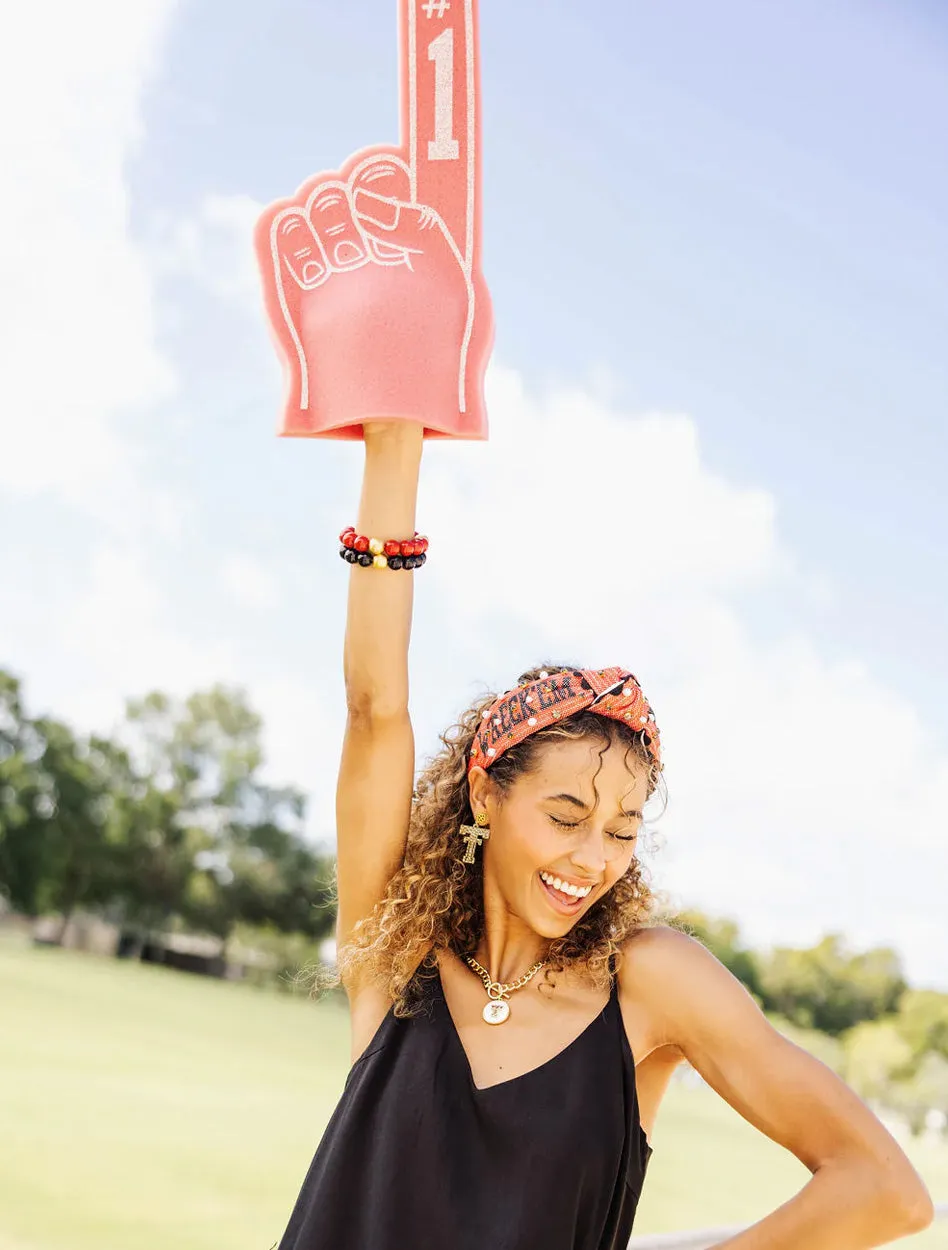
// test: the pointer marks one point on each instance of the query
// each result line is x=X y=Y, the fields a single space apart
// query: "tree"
x=271 y=877
x=20 y=785
x=923 y=1021
x=249 y=859
x=172 y=823
x=154 y=853
x=53 y=850
x=72 y=820
x=829 y=988
x=876 y=1057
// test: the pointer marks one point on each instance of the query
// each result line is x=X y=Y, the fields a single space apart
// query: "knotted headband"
x=516 y=715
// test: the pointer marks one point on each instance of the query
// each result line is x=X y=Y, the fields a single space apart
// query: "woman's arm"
x=864 y=1192
x=376 y=774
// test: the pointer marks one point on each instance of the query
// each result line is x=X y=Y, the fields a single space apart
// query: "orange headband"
x=611 y=692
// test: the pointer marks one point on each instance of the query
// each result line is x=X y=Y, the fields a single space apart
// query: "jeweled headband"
x=516 y=715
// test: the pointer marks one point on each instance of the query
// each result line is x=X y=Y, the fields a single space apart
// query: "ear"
x=480 y=790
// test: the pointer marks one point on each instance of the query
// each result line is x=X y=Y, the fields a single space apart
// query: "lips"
x=558 y=901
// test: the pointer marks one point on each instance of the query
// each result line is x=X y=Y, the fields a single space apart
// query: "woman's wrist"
x=390 y=479
x=387 y=433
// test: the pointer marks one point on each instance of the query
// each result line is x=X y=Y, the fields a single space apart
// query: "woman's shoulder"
x=655 y=947
x=658 y=966
x=683 y=991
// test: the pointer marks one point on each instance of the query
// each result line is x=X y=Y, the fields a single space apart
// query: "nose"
x=589 y=856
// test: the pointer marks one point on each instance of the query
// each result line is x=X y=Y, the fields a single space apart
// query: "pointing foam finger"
x=440 y=112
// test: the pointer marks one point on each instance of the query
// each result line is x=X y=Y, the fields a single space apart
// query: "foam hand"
x=371 y=273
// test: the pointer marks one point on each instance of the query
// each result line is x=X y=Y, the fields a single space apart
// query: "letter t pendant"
x=473 y=836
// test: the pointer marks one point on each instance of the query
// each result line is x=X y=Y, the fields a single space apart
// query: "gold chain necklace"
x=498 y=1010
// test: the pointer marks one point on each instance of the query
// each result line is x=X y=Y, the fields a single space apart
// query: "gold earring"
x=474 y=835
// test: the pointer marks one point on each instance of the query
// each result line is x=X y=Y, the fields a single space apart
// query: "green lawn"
x=142 y=1109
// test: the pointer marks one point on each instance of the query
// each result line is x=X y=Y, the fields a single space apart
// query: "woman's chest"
x=541 y=1024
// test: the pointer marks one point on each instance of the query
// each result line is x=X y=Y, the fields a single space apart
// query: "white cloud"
x=805 y=792
x=125 y=634
x=590 y=525
x=250 y=583
x=213 y=247
x=76 y=326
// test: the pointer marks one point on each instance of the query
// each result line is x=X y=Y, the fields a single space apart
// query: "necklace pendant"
x=496 y=1012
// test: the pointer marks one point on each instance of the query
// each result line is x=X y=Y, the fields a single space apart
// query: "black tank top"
x=416 y=1157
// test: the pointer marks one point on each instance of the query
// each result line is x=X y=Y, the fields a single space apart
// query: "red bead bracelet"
x=416 y=546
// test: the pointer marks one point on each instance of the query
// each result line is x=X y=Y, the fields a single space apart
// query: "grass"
x=144 y=1108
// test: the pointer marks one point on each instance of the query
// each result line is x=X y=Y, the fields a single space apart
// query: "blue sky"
x=715 y=240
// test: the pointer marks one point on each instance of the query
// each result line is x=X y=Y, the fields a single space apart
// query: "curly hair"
x=435 y=902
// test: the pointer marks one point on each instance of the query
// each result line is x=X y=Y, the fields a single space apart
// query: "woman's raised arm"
x=373 y=796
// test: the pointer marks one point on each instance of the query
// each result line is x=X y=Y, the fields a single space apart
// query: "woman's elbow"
x=908 y=1204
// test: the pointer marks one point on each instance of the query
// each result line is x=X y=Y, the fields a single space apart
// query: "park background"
x=715 y=239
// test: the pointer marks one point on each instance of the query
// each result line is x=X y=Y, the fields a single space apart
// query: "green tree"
x=876 y=1056
x=21 y=785
x=171 y=824
x=270 y=877
x=154 y=852
x=249 y=860
x=53 y=851
x=923 y=1021
x=827 y=987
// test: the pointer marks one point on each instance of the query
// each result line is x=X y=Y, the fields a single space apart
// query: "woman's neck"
x=508 y=948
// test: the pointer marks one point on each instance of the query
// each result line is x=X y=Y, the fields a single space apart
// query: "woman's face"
x=564 y=833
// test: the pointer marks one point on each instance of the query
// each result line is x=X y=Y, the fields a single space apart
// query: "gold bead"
x=376 y=546
x=381 y=562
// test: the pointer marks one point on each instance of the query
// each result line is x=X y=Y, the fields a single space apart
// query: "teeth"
x=564 y=886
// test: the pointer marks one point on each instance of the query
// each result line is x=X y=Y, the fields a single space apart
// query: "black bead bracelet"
x=366 y=560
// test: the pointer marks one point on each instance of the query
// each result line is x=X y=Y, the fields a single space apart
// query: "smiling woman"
x=516 y=1014
x=475 y=1079
x=552 y=852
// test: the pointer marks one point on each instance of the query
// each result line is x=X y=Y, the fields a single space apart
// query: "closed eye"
x=564 y=824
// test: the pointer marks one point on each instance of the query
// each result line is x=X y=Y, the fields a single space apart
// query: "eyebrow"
x=571 y=798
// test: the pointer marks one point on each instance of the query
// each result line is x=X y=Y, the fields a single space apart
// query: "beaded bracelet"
x=380 y=553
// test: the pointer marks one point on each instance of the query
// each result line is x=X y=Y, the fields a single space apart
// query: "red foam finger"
x=399 y=325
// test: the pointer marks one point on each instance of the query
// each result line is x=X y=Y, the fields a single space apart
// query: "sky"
x=716 y=242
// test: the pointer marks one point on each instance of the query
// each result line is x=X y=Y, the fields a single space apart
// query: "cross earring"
x=474 y=835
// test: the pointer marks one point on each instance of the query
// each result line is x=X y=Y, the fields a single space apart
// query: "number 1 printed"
x=444 y=146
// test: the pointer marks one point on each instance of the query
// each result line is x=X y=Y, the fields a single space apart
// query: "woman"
x=515 y=1018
